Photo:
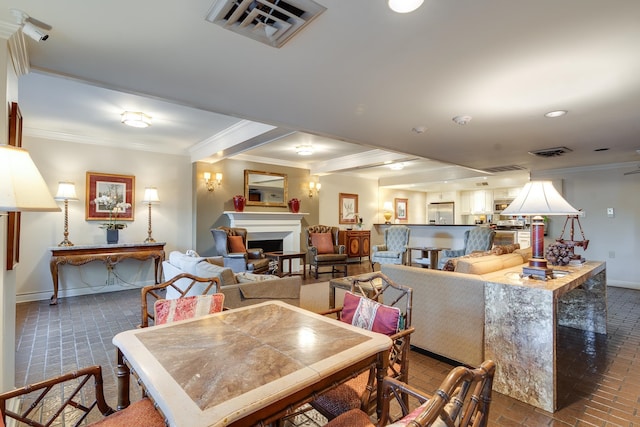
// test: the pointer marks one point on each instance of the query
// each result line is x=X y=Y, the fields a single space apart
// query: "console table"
x=110 y=254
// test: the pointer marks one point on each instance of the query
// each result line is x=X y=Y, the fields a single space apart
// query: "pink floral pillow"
x=172 y=310
x=368 y=314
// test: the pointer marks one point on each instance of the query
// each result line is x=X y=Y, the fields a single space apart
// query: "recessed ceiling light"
x=419 y=129
x=136 y=119
x=304 y=150
x=396 y=166
x=556 y=113
x=462 y=120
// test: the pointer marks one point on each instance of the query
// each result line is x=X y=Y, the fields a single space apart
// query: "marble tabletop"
x=216 y=369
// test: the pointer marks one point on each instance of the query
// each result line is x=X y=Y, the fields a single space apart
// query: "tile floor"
x=600 y=385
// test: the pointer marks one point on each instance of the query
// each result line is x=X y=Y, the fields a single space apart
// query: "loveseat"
x=239 y=289
x=448 y=306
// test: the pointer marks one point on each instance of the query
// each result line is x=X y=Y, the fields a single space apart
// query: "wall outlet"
x=610 y=212
x=612 y=254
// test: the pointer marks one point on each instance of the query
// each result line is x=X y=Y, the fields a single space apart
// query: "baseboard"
x=46 y=295
x=622 y=284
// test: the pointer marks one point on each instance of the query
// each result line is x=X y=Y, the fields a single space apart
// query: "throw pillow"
x=323 y=242
x=236 y=244
x=172 y=310
x=368 y=314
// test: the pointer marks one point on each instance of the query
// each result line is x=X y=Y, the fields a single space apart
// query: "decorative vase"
x=239 y=202
x=112 y=235
x=294 y=205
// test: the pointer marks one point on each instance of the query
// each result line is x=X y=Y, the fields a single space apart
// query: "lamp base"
x=65 y=242
x=537 y=272
x=149 y=240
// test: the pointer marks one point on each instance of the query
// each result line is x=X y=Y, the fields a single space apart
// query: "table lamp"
x=66 y=192
x=387 y=212
x=150 y=198
x=538 y=198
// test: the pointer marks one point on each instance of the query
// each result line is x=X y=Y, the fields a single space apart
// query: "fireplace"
x=266 y=226
x=274 y=245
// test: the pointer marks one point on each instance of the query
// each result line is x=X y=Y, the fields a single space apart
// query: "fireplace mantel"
x=263 y=216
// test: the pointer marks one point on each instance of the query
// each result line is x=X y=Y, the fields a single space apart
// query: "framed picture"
x=348 y=208
x=402 y=209
x=119 y=188
x=13 y=218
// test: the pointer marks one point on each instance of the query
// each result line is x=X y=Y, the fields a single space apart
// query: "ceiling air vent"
x=551 y=152
x=509 y=168
x=272 y=22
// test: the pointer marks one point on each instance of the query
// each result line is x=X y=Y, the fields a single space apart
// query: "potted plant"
x=115 y=207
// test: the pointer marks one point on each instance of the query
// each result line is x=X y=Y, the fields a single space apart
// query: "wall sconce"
x=150 y=198
x=387 y=209
x=66 y=192
x=210 y=183
x=313 y=186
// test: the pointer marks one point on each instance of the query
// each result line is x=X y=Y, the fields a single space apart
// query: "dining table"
x=245 y=366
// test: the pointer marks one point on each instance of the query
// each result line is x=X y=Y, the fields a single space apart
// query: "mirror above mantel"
x=265 y=188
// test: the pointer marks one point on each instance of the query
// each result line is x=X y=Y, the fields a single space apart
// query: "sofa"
x=239 y=289
x=448 y=306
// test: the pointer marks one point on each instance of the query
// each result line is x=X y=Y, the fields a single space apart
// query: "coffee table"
x=280 y=256
x=431 y=261
x=345 y=283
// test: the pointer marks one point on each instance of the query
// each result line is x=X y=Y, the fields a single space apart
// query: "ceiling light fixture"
x=304 y=150
x=556 y=113
x=404 y=6
x=136 y=119
x=396 y=166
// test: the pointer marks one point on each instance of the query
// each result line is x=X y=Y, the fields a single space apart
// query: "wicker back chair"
x=462 y=400
x=360 y=392
x=188 y=285
x=335 y=257
x=44 y=403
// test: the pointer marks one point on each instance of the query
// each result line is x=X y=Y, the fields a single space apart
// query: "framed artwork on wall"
x=348 y=208
x=13 y=218
x=119 y=188
x=402 y=209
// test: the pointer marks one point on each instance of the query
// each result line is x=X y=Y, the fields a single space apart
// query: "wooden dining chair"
x=462 y=400
x=387 y=310
x=155 y=294
x=70 y=399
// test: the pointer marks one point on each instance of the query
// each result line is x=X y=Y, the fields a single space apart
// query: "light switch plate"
x=610 y=212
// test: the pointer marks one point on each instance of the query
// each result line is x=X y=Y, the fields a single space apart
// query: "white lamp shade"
x=66 y=191
x=150 y=196
x=387 y=206
x=22 y=188
x=404 y=6
x=539 y=198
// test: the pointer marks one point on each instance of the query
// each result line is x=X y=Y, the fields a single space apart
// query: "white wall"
x=613 y=240
x=65 y=161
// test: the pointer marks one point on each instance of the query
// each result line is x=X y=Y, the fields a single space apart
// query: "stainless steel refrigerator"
x=441 y=213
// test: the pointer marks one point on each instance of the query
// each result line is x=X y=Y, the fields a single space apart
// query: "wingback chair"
x=475 y=239
x=394 y=249
x=231 y=244
x=323 y=250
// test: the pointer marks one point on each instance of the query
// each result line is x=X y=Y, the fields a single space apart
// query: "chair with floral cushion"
x=388 y=311
x=475 y=240
x=231 y=245
x=462 y=400
x=70 y=399
x=207 y=299
x=324 y=251
x=394 y=248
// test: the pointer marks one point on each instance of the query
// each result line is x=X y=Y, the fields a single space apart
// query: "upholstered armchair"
x=323 y=250
x=394 y=248
x=231 y=244
x=475 y=239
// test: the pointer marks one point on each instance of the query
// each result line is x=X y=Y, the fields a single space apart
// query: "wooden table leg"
x=53 y=266
x=122 y=374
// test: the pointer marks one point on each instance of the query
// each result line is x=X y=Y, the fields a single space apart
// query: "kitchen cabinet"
x=506 y=193
x=524 y=238
x=438 y=197
x=358 y=242
x=465 y=202
x=482 y=202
